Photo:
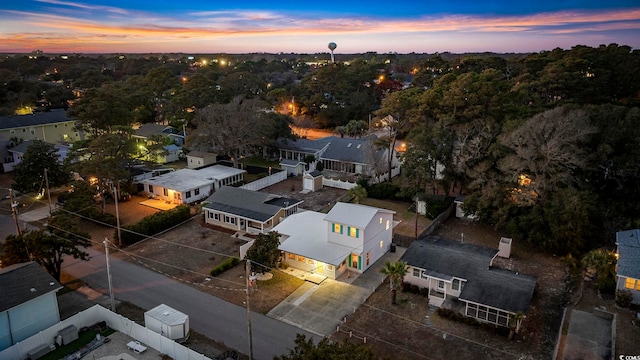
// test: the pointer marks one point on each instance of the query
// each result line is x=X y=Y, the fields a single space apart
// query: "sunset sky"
x=403 y=26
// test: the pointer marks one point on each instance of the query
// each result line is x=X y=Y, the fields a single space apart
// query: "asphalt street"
x=208 y=315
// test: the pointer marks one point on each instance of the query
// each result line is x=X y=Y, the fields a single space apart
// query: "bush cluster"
x=624 y=298
x=224 y=266
x=95 y=213
x=154 y=224
x=454 y=315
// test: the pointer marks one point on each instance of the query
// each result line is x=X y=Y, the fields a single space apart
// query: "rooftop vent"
x=33 y=290
x=358 y=147
x=349 y=145
x=166 y=313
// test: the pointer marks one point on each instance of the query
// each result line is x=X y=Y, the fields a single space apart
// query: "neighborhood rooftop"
x=629 y=253
x=353 y=214
x=187 y=179
x=487 y=285
x=37 y=118
x=24 y=282
x=307 y=236
x=249 y=204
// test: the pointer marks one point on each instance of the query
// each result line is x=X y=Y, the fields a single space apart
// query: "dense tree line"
x=545 y=146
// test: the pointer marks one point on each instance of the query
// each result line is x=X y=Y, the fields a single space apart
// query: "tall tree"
x=62 y=238
x=265 y=253
x=235 y=129
x=29 y=174
x=396 y=272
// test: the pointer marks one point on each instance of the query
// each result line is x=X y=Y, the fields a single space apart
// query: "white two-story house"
x=350 y=237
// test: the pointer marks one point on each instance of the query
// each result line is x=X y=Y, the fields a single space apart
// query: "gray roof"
x=498 y=288
x=349 y=150
x=354 y=214
x=304 y=145
x=200 y=154
x=249 y=204
x=20 y=148
x=288 y=162
x=24 y=282
x=38 y=118
x=315 y=173
x=148 y=130
x=628 y=253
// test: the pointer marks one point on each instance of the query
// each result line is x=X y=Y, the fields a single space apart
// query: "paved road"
x=208 y=315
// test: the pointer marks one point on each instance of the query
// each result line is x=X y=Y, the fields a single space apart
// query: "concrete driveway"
x=319 y=309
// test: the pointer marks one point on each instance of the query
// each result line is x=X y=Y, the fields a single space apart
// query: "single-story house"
x=628 y=269
x=247 y=210
x=340 y=155
x=146 y=132
x=462 y=277
x=17 y=152
x=28 y=302
x=350 y=237
x=198 y=159
x=186 y=186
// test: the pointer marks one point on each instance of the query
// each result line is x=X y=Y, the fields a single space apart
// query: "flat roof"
x=187 y=179
x=307 y=236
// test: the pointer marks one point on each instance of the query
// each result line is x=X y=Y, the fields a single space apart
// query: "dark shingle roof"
x=23 y=282
x=304 y=145
x=628 y=253
x=148 y=130
x=350 y=150
x=38 y=118
x=498 y=288
x=254 y=205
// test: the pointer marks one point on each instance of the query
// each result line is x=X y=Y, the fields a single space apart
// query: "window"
x=310 y=262
x=353 y=232
x=196 y=192
x=416 y=272
x=380 y=219
x=330 y=267
x=387 y=227
x=632 y=284
x=292 y=256
x=150 y=189
x=301 y=258
x=381 y=244
x=455 y=285
x=336 y=228
x=165 y=191
x=187 y=194
x=216 y=216
x=368 y=258
x=210 y=215
x=440 y=285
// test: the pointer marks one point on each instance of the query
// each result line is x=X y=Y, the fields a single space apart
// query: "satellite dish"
x=332 y=46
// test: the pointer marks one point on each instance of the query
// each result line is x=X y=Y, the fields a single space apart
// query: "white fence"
x=349 y=185
x=117 y=322
x=266 y=181
x=338 y=184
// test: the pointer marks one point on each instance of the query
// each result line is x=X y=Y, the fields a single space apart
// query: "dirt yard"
x=413 y=330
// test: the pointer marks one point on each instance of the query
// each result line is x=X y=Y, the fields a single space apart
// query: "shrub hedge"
x=153 y=224
x=224 y=266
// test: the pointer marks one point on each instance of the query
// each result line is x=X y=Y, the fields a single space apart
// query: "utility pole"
x=46 y=181
x=115 y=197
x=106 y=252
x=248 y=273
x=14 y=211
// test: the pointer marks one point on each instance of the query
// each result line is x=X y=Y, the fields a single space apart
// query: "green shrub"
x=153 y=224
x=383 y=191
x=624 y=298
x=424 y=291
x=606 y=285
x=406 y=287
x=95 y=213
x=224 y=266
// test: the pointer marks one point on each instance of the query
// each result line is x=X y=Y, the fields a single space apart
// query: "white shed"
x=312 y=181
x=167 y=322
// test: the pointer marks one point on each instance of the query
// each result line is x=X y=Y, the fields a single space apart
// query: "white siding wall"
x=377 y=238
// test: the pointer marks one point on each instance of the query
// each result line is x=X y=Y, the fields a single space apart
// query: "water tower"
x=332 y=46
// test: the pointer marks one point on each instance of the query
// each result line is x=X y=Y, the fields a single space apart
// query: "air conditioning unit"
x=504 y=248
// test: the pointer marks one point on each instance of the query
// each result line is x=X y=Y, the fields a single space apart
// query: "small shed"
x=312 y=181
x=198 y=159
x=167 y=322
x=293 y=167
x=459 y=208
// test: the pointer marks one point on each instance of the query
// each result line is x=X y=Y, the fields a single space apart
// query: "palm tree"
x=358 y=193
x=396 y=272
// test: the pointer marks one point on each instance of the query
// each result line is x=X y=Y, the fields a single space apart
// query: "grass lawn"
x=260 y=161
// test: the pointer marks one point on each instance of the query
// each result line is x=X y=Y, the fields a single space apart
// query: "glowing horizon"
x=55 y=26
